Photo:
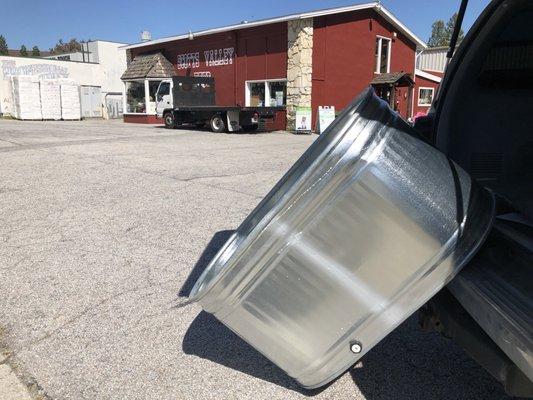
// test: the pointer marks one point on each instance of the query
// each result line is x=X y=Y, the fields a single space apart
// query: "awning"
x=393 y=78
x=149 y=66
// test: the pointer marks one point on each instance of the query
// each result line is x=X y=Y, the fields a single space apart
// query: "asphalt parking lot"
x=101 y=224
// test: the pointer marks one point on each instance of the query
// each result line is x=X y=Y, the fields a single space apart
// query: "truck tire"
x=217 y=123
x=170 y=123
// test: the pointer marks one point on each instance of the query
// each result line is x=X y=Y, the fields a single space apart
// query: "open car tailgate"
x=367 y=225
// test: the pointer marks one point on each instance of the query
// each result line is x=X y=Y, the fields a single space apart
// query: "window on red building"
x=425 y=96
x=383 y=47
x=271 y=93
x=278 y=93
x=257 y=94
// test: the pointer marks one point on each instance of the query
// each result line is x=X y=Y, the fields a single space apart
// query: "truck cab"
x=163 y=97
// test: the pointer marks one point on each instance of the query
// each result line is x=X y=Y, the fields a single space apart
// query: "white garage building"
x=98 y=77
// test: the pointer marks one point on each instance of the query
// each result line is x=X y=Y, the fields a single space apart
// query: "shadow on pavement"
x=206 y=129
x=411 y=364
x=181 y=128
x=217 y=241
x=210 y=339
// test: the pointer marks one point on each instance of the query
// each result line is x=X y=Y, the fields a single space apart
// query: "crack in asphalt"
x=80 y=315
x=8 y=141
x=185 y=180
x=35 y=390
x=27 y=146
x=193 y=179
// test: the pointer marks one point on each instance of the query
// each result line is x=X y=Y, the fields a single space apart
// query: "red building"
x=320 y=58
x=426 y=85
x=431 y=64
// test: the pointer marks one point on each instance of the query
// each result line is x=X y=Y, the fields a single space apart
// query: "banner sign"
x=303 y=119
x=326 y=115
x=44 y=71
x=212 y=58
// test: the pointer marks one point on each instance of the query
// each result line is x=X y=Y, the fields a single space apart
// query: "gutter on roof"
x=436 y=48
x=420 y=44
x=374 y=5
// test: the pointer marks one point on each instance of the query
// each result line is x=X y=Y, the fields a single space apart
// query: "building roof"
x=392 y=78
x=376 y=6
x=149 y=66
x=427 y=75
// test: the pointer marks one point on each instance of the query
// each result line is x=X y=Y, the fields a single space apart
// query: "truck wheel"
x=217 y=123
x=169 y=120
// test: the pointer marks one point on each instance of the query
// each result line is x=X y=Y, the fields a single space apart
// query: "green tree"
x=4 y=51
x=23 y=51
x=441 y=33
x=438 y=34
x=35 y=52
x=449 y=29
x=71 y=46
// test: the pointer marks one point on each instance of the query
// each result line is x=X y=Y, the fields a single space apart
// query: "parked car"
x=481 y=120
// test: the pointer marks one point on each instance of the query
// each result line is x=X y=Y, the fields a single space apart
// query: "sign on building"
x=326 y=115
x=303 y=119
x=212 y=58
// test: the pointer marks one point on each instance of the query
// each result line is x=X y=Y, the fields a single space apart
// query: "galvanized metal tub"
x=367 y=225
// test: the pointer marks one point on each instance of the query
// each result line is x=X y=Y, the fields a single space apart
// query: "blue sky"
x=42 y=22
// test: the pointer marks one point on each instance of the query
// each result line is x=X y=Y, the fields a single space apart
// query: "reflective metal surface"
x=365 y=227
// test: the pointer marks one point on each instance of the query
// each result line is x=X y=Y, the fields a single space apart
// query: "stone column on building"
x=299 y=67
x=128 y=56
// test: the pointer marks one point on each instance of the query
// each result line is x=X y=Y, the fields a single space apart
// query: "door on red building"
x=396 y=89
